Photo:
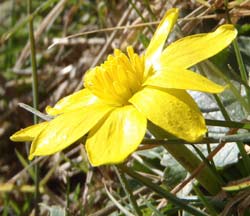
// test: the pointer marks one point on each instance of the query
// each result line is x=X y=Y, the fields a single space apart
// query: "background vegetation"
x=68 y=184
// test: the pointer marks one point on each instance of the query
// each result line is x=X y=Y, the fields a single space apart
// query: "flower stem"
x=35 y=96
x=208 y=163
x=189 y=161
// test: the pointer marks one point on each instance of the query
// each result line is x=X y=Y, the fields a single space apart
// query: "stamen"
x=118 y=78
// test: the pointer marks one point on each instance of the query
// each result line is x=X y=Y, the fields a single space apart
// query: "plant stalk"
x=35 y=97
x=189 y=161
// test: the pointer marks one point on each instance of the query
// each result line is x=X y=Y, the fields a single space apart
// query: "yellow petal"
x=74 y=101
x=179 y=78
x=66 y=129
x=157 y=42
x=117 y=137
x=173 y=110
x=193 y=49
x=28 y=133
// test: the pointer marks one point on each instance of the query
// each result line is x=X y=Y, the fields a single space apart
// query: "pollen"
x=118 y=78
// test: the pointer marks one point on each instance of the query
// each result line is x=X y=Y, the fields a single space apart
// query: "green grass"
x=147 y=183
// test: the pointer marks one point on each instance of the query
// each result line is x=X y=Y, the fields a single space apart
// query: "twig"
x=123 y=27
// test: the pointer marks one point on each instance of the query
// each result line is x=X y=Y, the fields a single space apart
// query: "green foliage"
x=147 y=184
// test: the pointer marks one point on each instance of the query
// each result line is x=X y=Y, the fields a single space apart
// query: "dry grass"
x=82 y=33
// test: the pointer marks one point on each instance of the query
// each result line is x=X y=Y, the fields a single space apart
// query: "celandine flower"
x=125 y=91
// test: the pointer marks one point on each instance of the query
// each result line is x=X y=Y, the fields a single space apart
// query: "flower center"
x=118 y=78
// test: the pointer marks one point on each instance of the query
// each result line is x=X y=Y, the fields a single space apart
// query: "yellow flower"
x=125 y=91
